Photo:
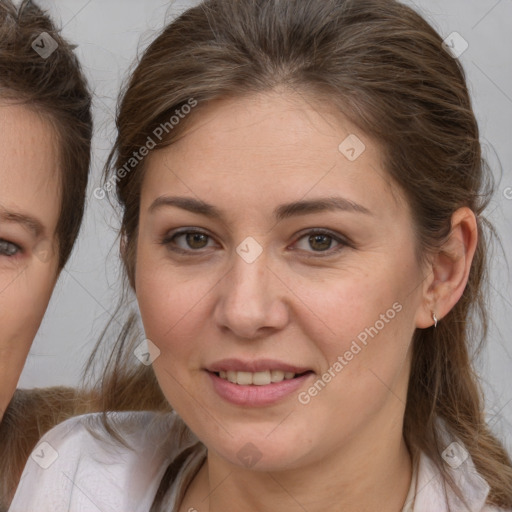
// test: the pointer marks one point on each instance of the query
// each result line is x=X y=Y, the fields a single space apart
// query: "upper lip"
x=259 y=365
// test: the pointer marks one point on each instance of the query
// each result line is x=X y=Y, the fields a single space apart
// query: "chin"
x=258 y=451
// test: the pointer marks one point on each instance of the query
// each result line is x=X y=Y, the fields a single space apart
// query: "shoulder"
x=86 y=435
x=78 y=466
x=29 y=415
x=433 y=493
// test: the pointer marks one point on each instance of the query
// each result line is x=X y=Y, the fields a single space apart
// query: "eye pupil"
x=192 y=238
x=326 y=239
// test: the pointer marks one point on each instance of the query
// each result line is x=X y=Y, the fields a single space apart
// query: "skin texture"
x=28 y=261
x=247 y=156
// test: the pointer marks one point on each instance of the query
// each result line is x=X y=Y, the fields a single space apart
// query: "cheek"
x=22 y=307
x=172 y=314
x=363 y=325
x=366 y=361
x=170 y=304
x=347 y=306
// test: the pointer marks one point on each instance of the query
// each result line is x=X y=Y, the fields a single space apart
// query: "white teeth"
x=261 y=378
x=244 y=378
x=256 y=378
x=277 y=375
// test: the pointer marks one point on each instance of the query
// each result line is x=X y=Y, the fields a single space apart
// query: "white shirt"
x=76 y=467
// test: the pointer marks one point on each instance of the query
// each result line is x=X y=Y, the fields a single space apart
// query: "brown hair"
x=29 y=415
x=384 y=67
x=54 y=87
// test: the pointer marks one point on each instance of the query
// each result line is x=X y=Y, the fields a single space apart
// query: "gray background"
x=111 y=33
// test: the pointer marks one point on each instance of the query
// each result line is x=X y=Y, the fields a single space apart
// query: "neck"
x=370 y=473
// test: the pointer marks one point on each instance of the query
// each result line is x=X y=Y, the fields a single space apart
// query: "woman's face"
x=232 y=277
x=29 y=209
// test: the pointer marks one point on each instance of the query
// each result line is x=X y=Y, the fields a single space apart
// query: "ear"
x=449 y=269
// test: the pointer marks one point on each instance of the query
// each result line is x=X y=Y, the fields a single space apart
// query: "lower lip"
x=256 y=396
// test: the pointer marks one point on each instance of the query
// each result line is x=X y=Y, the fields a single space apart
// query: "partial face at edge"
x=341 y=302
x=29 y=209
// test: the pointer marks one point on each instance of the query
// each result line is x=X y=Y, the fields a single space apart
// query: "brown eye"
x=196 y=240
x=187 y=241
x=319 y=241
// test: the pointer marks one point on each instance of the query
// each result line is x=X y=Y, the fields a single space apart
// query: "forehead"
x=263 y=146
x=29 y=164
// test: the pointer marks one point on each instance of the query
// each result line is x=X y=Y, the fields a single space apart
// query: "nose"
x=252 y=300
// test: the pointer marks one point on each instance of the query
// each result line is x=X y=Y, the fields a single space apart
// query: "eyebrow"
x=284 y=211
x=30 y=223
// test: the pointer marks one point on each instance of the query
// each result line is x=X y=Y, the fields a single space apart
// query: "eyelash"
x=168 y=240
x=5 y=245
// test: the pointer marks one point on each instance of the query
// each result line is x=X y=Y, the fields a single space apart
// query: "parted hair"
x=382 y=65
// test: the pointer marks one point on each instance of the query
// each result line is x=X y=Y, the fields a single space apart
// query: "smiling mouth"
x=263 y=378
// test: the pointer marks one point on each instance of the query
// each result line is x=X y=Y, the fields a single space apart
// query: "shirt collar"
x=430 y=491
